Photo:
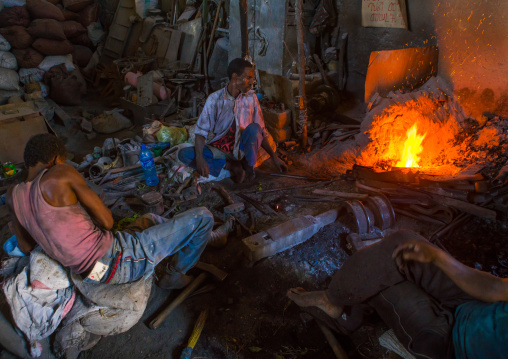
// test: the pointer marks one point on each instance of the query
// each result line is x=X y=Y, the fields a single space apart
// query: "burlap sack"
x=16 y=15
x=28 y=58
x=42 y=9
x=68 y=15
x=65 y=88
x=17 y=36
x=47 y=29
x=82 y=55
x=76 y=5
x=65 y=91
x=53 y=47
x=89 y=14
x=83 y=40
x=73 y=29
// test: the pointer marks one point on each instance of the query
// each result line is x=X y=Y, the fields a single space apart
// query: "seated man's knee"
x=253 y=129
x=187 y=155
x=203 y=215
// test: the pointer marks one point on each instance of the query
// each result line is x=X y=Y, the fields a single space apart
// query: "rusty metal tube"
x=302 y=118
x=244 y=32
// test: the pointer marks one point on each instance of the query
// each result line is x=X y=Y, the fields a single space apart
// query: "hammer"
x=232 y=207
x=210 y=268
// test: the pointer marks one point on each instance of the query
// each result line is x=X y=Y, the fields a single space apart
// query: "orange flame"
x=412 y=148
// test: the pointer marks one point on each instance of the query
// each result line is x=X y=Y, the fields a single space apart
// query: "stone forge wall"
x=472 y=36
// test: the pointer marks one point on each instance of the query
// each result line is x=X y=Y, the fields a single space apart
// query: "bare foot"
x=302 y=298
x=314 y=299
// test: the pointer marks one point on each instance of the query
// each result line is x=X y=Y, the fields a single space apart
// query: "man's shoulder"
x=62 y=172
x=217 y=95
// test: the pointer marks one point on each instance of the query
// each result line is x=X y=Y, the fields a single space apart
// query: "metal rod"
x=244 y=32
x=301 y=71
x=300 y=177
x=292 y=187
x=212 y=34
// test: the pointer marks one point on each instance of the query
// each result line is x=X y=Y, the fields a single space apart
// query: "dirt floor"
x=249 y=313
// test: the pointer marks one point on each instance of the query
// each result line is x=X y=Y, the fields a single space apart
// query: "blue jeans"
x=136 y=251
x=250 y=142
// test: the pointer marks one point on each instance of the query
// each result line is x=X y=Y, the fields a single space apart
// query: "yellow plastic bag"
x=173 y=135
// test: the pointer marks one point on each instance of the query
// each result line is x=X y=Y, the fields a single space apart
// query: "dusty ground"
x=249 y=313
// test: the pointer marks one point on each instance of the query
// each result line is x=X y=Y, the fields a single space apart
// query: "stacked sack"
x=36 y=35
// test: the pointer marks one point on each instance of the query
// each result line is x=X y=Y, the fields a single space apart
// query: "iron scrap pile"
x=447 y=201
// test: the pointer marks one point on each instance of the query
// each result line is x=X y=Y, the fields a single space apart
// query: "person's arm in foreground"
x=480 y=285
x=281 y=166
x=100 y=214
x=25 y=241
x=201 y=164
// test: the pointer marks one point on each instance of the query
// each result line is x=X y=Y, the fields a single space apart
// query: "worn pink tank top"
x=66 y=234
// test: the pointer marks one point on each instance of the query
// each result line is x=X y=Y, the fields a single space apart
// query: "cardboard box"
x=18 y=123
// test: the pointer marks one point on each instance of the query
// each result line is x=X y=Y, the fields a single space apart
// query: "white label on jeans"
x=98 y=271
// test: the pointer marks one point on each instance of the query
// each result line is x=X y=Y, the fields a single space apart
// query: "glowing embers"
x=412 y=148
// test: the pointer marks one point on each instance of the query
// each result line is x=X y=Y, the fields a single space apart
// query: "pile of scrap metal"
x=158 y=61
x=116 y=175
x=446 y=201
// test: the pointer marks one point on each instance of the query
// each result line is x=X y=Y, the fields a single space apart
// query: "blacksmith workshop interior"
x=237 y=179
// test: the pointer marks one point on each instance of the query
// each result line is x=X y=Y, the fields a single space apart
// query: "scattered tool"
x=210 y=268
x=261 y=207
x=159 y=319
x=231 y=207
x=187 y=292
x=333 y=342
x=196 y=333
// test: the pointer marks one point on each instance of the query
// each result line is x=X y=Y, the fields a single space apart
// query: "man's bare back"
x=62 y=186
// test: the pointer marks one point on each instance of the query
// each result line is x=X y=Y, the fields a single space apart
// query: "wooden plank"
x=173 y=47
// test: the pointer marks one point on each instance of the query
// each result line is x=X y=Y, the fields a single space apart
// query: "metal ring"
x=360 y=215
x=383 y=211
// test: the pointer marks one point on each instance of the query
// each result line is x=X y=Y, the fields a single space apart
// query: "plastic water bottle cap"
x=143 y=147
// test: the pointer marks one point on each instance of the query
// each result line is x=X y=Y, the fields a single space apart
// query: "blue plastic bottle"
x=148 y=165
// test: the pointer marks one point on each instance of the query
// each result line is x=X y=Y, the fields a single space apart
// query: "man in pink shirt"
x=56 y=209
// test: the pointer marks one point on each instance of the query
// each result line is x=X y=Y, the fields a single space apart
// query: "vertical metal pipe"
x=302 y=103
x=244 y=32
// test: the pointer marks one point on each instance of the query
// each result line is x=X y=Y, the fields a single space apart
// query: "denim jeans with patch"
x=140 y=247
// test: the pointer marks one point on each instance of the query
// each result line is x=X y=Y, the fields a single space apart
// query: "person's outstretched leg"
x=188 y=157
x=185 y=236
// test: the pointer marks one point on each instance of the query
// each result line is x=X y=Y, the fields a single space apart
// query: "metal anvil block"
x=285 y=235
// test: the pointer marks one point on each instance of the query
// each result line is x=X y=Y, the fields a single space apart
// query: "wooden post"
x=302 y=103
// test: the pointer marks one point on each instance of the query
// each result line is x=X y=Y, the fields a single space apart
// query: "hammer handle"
x=224 y=194
x=159 y=319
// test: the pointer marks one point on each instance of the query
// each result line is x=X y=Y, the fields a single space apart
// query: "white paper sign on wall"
x=384 y=13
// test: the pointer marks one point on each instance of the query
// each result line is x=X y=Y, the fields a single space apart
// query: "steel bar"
x=214 y=28
x=299 y=177
x=340 y=194
x=291 y=187
x=301 y=71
